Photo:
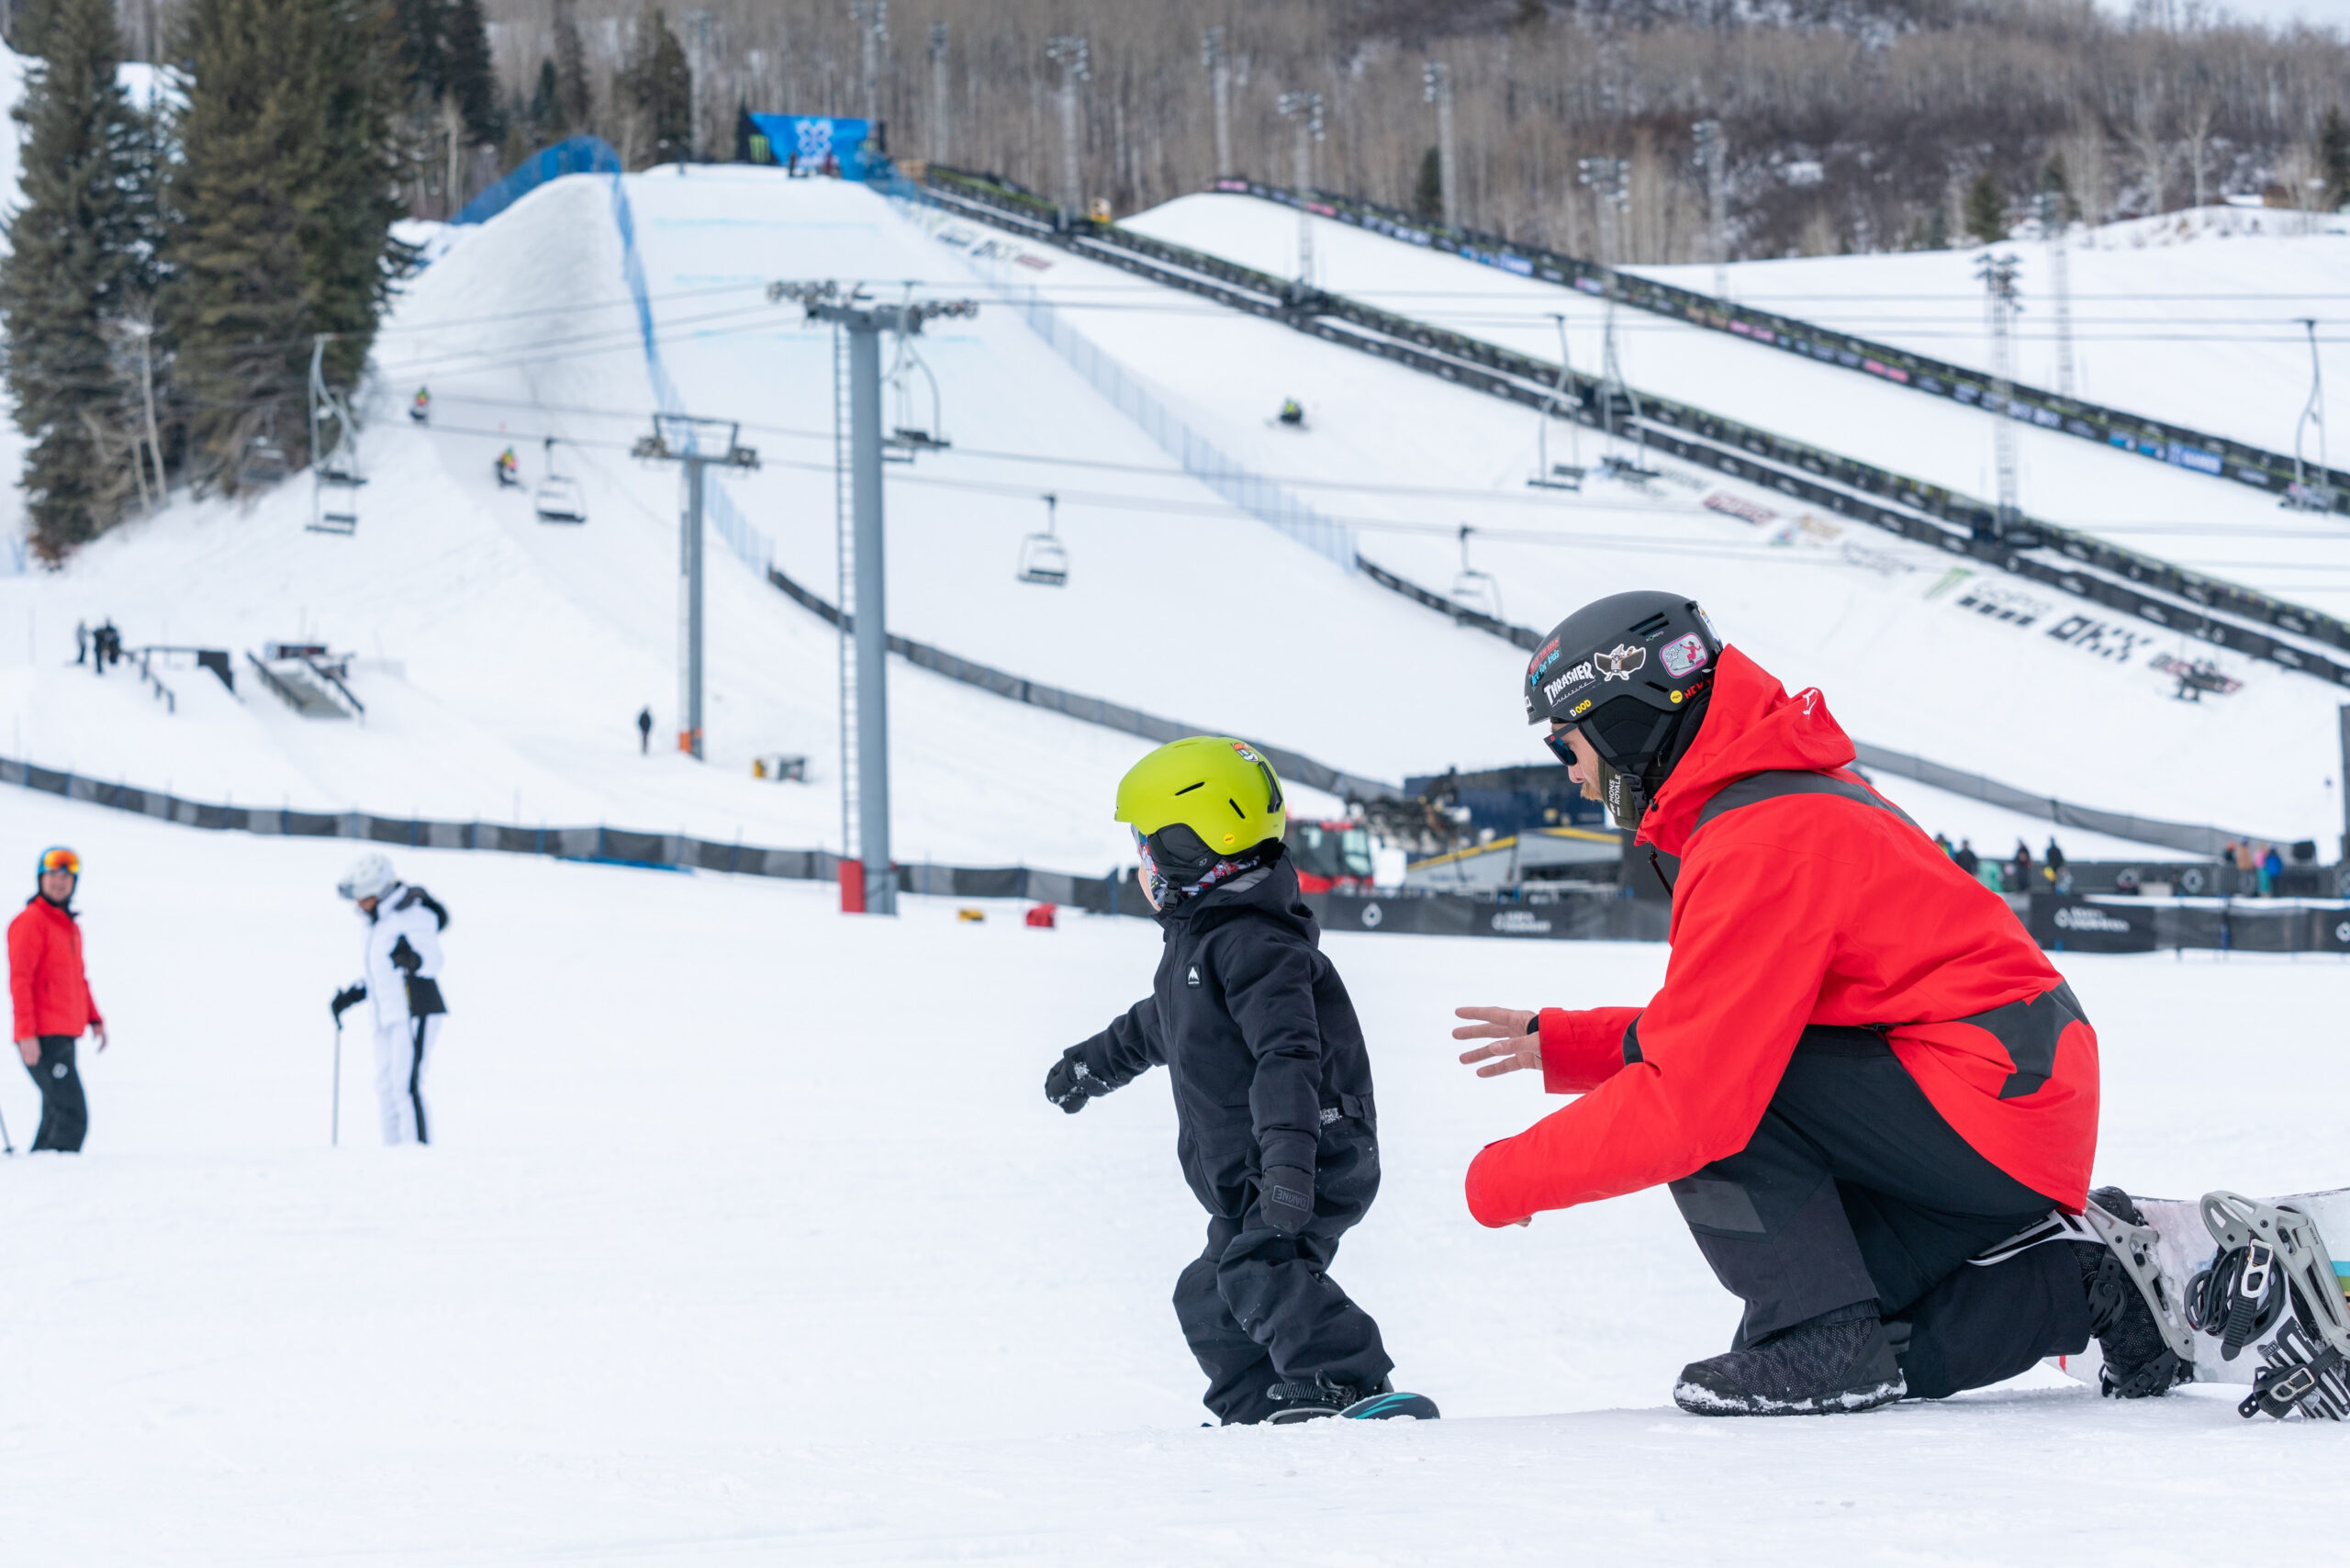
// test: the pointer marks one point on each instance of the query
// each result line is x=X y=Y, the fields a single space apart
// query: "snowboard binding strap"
x=2308 y=1359
x=2133 y=1246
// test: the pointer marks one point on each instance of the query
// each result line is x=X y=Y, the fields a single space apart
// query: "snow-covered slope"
x=747 y=1238
x=2194 y=317
x=2217 y=526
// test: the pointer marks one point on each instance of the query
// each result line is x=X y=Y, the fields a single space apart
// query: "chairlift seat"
x=560 y=499
x=1043 y=560
x=264 y=463
x=1478 y=591
x=918 y=440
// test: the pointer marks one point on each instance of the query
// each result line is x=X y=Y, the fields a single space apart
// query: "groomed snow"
x=749 y=1237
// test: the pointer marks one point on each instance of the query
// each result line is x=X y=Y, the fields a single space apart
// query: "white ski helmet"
x=370 y=877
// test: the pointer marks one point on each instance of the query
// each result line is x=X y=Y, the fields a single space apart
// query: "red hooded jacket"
x=45 y=978
x=1792 y=909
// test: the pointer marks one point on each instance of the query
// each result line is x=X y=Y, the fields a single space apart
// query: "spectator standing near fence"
x=50 y=995
x=1968 y=861
x=2272 y=865
x=2019 y=868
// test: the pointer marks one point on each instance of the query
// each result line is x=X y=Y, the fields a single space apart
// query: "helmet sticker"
x=1682 y=655
x=1620 y=662
x=1568 y=680
x=1579 y=709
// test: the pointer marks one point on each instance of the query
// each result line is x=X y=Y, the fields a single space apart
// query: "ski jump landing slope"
x=747 y=1238
x=2210 y=525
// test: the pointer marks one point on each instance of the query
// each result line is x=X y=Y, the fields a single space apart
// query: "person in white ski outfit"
x=401 y=958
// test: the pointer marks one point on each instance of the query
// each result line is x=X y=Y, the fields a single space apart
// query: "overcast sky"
x=2324 y=13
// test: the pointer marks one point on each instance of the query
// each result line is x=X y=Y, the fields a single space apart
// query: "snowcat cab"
x=1330 y=855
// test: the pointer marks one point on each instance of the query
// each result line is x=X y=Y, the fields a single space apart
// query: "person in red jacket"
x=51 y=998
x=1860 y=1075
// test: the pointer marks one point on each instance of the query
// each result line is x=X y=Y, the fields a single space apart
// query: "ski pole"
x=334 y=1116
x=4 y=1137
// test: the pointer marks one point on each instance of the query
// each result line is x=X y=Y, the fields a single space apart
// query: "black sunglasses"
x=1556 y=740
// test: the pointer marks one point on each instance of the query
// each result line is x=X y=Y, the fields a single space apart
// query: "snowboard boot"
x=1833 y=1364
x=1321 y=1399
x=2139 y=1362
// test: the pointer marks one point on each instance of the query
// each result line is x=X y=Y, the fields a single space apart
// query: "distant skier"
x=401 y=968
x=1293 y=413
x=509 y=469
x=644 y=732
x=81 y=642
x=1862 y=1079
x=50 y=995
x=1278 y=1136
x=419 y=408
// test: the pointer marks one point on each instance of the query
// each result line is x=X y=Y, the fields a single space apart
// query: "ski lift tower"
x=700 y=445
x=868 y=882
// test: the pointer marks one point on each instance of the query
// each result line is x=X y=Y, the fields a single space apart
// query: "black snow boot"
x=2139 y=1363
x=1321 y=1399
x=1833 y=1364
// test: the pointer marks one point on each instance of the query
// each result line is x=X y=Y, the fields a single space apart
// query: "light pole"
x=868 y=883
x=1305 y=108
x=872 y=18
x=699 y=445
x=1713 y=157
x=1607 y=178
x=938 y=91
x=2052 y=225
x=1435 y=87
x=1072 y=55
x=1219 y=69
x=1998 y=276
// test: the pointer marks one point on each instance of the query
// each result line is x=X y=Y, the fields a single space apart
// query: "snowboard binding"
x=2272 y=1257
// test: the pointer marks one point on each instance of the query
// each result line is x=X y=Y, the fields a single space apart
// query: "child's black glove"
x=345 y=1000
x=1285 y=1193
x=1071 y=1083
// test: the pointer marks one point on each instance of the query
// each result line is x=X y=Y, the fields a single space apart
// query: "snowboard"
x=2245 y=1281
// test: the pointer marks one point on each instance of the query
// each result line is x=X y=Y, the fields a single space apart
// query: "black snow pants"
x=1260 y=1307
x=1854 y=1189
x=65 y=1114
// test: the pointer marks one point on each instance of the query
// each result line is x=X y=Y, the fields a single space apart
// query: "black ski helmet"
x=1627 y=670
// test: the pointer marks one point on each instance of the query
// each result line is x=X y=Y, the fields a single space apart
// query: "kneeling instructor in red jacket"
x=1860 y=1076
x=52 y=999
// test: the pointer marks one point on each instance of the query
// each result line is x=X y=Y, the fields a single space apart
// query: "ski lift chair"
x=264 y=463
x=559 y=497
x=335 y=502
x=1475 y=590
x=1042 y=559
x=1549 y=476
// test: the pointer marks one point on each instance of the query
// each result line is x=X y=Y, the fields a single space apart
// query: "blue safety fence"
x=573 y=155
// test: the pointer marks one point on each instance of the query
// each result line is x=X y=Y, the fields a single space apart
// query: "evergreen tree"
x=472 y=79
x=571 y=72
x=2333 y=156
x=284 y=206
x=81 y=260
x=545 y=114
x=1986 y=209
x=660 y=88
x=1427 y=193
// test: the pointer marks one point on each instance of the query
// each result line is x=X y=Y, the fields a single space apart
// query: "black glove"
x=345 y=1000
x=1071 y=1083
x=1285 y=1193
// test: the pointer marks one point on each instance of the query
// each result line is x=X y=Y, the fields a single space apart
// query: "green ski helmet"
x=1201 y=800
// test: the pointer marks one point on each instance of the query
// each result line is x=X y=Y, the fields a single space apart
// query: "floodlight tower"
x=1998 y=276
x=938 y=91
x=1074 y=56
x=1435 y=87
x=868 y=883
x=1713 y=157
x=1219 y=69
x=871 y=17
x=1305 y=108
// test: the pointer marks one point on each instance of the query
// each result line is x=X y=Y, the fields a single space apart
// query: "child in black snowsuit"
x=1276 y=1132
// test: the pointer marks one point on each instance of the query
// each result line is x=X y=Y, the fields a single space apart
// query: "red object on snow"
x=1798 y=909
x=45 y=980
x=852 y=887
x=1042 y=917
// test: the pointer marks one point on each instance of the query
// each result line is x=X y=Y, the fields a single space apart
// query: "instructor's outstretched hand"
x=1515 y=1045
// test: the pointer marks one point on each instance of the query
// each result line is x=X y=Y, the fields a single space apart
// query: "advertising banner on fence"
x=2088 y=926
x=820 y=144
